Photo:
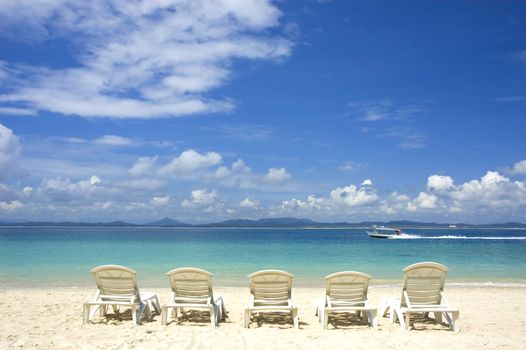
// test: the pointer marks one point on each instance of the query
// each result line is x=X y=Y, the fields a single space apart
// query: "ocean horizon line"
x=280 y=223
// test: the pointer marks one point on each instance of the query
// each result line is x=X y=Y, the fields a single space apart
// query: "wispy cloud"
x=408 y=138
x=392 y=120
x=351 y=166
x=114 y=140
x=517 y=57
x=511 y=99
x=382 y=110
x=247 y=132
x=159 y=61
x=17 y=111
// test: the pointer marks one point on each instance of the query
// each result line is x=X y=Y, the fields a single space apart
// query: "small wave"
x=487 y=284
x=409 y=236
x=462 y=284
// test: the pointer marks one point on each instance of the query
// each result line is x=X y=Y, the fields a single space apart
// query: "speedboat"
x=383 y=232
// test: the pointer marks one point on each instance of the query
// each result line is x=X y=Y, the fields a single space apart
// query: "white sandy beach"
x=490 y=318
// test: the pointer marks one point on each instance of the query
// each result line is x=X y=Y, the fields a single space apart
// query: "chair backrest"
x=191 y=283
x=424 y=282
x=347 y=287
x=116 y=282
x=271 y=287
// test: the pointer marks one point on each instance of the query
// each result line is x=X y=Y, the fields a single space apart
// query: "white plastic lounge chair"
x=347 y=292
x=423 y=292
x=192 y=289
x=116 y=287
x=270 y=291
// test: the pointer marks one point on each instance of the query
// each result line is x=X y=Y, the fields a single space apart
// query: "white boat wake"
x=410 y=236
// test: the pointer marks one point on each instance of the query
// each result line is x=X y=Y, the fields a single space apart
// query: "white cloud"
x=518 y=168
x=491 y=189
x=10 y=206
x=160 y=201
x=354 y=196
x=367 y=182
x=144 y=184
x=492 y=194
x=440 y=183
x=423 y=201
x=143 y=166
x=17 y=111
x=94 y=180
x=199 y=198
x=190 y=162
x=397 y=197
x=249 y=203
x=9 y=153
x=159 y=61
x=114 y=140
x=238 y=175
x=277 y=176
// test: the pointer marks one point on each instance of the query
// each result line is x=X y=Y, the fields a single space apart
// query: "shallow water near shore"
x=62 y=256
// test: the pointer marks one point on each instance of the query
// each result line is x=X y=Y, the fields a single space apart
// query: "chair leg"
x=397 y=314
x=164 y=315
x=384 y=307
x=407 y=320
x=295 y=318
x=325 y=319
x=134 y=313
x=157 y=304
x=438 y=317
x=220 y=304
x=365 y=316
x=137 y=311
x=85 y=314
x=248 y=313
x=213 y=316
x=373 y=319
x=147 y=311
x=93 y=311
x=456 y=327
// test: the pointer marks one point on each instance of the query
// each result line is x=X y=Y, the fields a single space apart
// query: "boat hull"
x=379 y=235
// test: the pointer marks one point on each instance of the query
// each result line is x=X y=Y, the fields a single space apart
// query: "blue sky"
x=211 y=110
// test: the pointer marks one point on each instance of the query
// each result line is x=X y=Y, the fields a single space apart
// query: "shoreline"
x=372 y=286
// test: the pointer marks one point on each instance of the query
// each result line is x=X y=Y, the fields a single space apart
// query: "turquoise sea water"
x=63 y=256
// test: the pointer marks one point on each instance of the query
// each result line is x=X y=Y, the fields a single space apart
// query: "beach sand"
x=490 y=318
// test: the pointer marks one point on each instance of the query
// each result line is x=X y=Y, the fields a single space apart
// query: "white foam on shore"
x=463 y=284
x=487 y=284
x=496 y=238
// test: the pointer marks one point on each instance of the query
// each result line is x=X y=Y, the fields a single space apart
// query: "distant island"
x=270 y=223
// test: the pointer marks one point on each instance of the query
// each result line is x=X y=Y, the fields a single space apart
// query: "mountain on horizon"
x=168 y=222
x=264 y=222
x=286 y=222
